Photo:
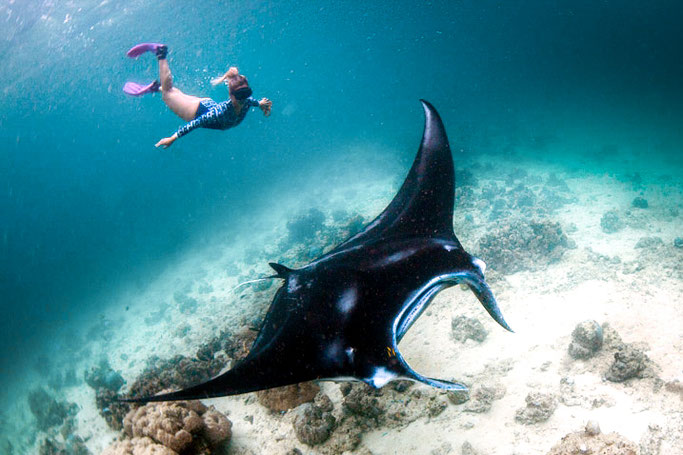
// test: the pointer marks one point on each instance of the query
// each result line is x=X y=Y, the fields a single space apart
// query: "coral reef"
x=523 y=245
x=233 y=345
x=47 y=410
x=610 y=222
x=657 y=257
x=363 y=408
x=458 y=396
x=170 y=424
x=312 y=425
x=616 y=361
x=649 y=242
x=289 y=397
x=539 y=407
x=103 y=376
x=467 y=449
x=639 y=202
x=629 y=362
x=138 y=446
x=186 y=304
x=482 y=397
x=305 y=225
x=173 y=428
x=586 y=340
x=465 y=328
x=588 y=442
x=363 y=402
x=521 y=197
x=73 y=445
x=111 y=410
x=175 y=373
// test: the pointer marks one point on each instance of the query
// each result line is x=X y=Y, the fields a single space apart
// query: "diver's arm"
x=232 y=72
x=189 y=126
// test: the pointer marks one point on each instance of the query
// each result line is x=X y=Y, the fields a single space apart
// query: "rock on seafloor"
x=587 y=339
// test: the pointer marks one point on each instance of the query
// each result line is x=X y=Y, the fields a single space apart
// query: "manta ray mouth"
x=421 y=300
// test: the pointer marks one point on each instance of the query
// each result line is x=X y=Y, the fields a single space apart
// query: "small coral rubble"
x=312 y=425
x=539 y=408
x=629 y=362
x=610 y=222
x=289 y=397
x=590 y=442
x=586 y=340
x=465 y=328
x=483 y=396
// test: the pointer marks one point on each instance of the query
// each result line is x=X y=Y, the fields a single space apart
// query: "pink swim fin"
x=141 y=48
x=135 y=89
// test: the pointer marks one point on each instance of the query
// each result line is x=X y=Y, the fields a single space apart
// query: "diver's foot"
x=135 y=89
x=139 y=49
x=162 y=51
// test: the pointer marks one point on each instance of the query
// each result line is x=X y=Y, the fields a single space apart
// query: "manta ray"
x=342 y=316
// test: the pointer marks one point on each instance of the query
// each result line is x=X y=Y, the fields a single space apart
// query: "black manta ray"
x=342 y=316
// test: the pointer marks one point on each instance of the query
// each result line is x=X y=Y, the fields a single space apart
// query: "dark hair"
x=239 y=87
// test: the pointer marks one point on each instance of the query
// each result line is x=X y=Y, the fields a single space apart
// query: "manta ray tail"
x=249 y=375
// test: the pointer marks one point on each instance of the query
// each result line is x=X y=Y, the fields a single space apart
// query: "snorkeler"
x=198 y=112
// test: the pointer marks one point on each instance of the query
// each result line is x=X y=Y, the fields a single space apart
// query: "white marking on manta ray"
x=293 y=284
x=334 y=350
x=481 y=265
x=381 y=377
x=347 y=301
x=398 y=256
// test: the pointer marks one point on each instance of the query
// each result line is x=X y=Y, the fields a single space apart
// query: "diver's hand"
x=167 y=141
x=232 y=72
x=266 y=105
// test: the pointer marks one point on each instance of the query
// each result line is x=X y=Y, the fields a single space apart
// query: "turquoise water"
x=90 y=206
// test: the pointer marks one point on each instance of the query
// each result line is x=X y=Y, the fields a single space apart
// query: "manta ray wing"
x=424 y=203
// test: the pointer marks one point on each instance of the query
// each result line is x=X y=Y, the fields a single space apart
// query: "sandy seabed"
x=602 y=277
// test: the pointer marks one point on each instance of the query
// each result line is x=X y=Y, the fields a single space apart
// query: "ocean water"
x=99 y=229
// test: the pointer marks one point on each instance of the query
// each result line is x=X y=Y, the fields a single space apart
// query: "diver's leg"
x=183 y=105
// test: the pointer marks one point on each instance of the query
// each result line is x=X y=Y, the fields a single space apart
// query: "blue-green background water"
x=87 y=203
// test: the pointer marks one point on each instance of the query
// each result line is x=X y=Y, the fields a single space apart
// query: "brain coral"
x=178 y=426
